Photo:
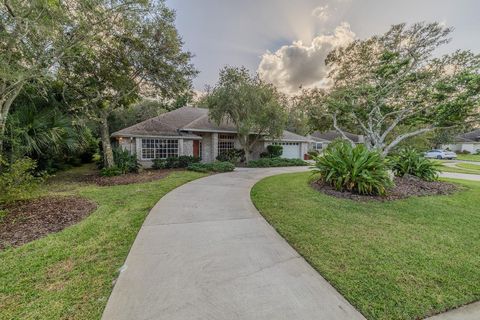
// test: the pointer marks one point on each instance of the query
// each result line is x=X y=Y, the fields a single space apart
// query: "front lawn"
x=468 y=157
x=70 y=274
x=403 y=259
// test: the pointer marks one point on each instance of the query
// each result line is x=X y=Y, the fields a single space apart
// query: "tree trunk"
x=106 y=145
x=5 y=103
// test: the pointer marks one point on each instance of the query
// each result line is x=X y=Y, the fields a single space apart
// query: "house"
x=469 y=141
x=320 y=140
x=189 y=131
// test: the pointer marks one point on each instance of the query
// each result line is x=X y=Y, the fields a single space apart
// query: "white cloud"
x=321 y=12
x=299 y=65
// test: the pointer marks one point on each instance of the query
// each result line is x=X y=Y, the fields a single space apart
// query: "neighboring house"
x=320 y=140
x=469 y=141
x=189 y=131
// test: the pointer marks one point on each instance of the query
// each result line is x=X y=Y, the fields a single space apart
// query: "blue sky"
x=286 y=40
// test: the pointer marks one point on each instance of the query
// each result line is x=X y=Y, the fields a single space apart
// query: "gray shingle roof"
x=166 y=124
x=472 y=136
x=334 y=134
x=177 y=122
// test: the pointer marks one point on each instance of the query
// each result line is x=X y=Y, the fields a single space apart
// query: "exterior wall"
x=303 y=149
x=470 y=147
x=258 y=147
x=214 y=147
x=187 y=147
x=207 y=151
x=134 y=145
x=128 y=144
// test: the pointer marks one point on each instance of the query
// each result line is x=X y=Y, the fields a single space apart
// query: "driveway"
x=204 y=252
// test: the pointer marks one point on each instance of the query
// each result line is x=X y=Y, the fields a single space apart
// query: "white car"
x=440 y=154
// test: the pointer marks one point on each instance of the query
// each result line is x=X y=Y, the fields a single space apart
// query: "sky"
x=286 y=41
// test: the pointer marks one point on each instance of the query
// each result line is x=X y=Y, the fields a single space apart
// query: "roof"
x=176 y=123
x=166 y=124
x=290 y=136
x=334 y=134
x=472 y=136
x=205 y=124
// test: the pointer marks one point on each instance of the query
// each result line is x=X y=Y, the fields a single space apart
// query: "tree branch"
x=402 y=137
x=344 y=136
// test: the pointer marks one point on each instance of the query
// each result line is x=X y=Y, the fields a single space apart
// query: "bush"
x=174 y=162
x=232 y=155
x=464 y=152
x=355 y=169
x=125 y=161
x=17 y=180
x=313 y=153
x=220 y=166
x=409 y=161
x=274 y=151
x=110 y=172
x=159 y=164
x=275 y=162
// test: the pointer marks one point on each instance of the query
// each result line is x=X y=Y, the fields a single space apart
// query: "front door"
x=196 y=148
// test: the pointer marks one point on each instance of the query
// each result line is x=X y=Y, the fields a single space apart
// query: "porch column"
x=214 y=146
x=180 y=147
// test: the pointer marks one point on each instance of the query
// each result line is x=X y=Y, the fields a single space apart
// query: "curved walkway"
x=204 y=252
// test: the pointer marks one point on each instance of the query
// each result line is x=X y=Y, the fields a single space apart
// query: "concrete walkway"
x=468 y=312
x=204 y=252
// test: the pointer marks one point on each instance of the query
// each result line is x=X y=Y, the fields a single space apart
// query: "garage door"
x=291 y=150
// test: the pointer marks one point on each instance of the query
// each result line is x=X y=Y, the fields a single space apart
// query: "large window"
x=225 y=142
x=159 y=148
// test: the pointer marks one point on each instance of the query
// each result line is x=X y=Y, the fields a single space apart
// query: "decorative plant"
x=355 y=169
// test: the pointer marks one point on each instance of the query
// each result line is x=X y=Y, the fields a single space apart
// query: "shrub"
x=232 y=155
x=17 y=180
x=409 y=161
x=220 y=166
x=274 y=151
x=275 y=162
x=110 y=172
x=125 y=161
x=159 y=164
x=355 y=169
x=313 y=153
x=174 y=162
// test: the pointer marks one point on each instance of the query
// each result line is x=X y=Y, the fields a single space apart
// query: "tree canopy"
x=256 y=108
x=397 y=78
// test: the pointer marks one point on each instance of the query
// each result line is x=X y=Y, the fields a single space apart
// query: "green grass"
x=469 y=166
x=404 y=259
x=70 y=274
x=469 y=157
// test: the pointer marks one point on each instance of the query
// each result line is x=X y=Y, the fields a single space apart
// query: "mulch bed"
x=404 y=187
x=28 y=220
x=143 y=176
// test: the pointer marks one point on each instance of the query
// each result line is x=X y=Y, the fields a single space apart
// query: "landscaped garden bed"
x=404 y=187
x=28 y=220
x=128 y=178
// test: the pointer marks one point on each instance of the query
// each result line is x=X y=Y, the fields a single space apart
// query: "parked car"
x=440 y=154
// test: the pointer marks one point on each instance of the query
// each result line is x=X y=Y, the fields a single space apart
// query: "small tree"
x=253 y=106
x=394 y=79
